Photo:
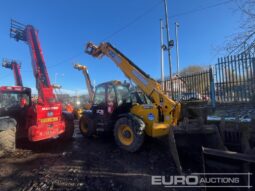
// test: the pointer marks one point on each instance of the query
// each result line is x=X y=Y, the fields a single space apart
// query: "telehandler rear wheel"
x=129 y=134
x=86 y=126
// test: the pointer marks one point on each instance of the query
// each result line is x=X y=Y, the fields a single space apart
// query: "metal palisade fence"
x=235 y=78
x=232 y=79
x=190 y=87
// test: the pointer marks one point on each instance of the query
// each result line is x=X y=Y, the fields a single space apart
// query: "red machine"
x=16 y=101
x=46 y=120
x=15 y=67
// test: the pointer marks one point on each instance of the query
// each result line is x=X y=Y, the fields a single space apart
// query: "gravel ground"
x=84 y=164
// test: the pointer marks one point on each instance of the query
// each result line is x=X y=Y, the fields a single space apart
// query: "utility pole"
x=177 y=47
x=169 y=46
x=162 y=54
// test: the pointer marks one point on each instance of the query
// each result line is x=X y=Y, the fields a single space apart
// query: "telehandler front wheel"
x=129 y=133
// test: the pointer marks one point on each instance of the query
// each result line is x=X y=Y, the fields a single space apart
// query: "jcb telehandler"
x=113 y=110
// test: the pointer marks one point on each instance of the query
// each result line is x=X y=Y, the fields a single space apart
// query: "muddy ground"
x=84 y=164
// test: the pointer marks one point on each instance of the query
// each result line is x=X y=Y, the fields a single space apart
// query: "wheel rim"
x=125 y=135
x=84 y=127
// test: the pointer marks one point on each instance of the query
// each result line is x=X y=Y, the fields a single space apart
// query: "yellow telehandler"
x=113 y=110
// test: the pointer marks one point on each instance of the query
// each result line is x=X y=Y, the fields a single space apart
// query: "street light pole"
x=177 y=47
x=169 y=46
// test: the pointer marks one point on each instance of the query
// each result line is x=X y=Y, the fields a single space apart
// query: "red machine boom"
x=48 y=119
x=15 y=67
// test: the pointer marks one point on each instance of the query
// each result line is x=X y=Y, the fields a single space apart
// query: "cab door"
x=99 y=108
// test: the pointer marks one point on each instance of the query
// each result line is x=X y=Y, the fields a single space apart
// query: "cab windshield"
x=13 y=99
x=123 y=94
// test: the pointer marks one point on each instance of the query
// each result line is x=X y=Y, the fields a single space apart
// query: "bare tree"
x=196 y=79
x=191 y=70
x=240 y=40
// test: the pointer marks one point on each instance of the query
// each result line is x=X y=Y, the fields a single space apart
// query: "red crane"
x=47 y=119
x=15 y=67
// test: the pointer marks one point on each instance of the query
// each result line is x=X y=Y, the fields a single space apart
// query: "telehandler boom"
x=84 y=69
x=15 y=67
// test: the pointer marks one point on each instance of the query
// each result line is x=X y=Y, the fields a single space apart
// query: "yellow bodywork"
x=87 y=106
x=78 y=112
x=48 y=120
x=125 y=140
x=149 y=115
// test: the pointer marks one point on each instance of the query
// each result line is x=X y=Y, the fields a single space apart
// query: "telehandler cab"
x=15 y=102
x=111 y=107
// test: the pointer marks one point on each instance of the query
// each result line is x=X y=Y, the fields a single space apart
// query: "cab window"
x=99 y=95
x=13 y=99
x=123 y=95
x=111 y=96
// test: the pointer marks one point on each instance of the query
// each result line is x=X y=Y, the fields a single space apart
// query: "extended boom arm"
x=88 y=81
x=148 y=85
x=15 y=67
x=29 y=34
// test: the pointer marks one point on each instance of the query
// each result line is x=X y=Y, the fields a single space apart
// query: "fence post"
x=212 y=88
x=253 y=77
x=253 y=67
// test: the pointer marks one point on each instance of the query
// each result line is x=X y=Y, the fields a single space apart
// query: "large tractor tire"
x=68 y=134
x=129 y=133
x=86 y=126
x=69 y=129
x=7 y=135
